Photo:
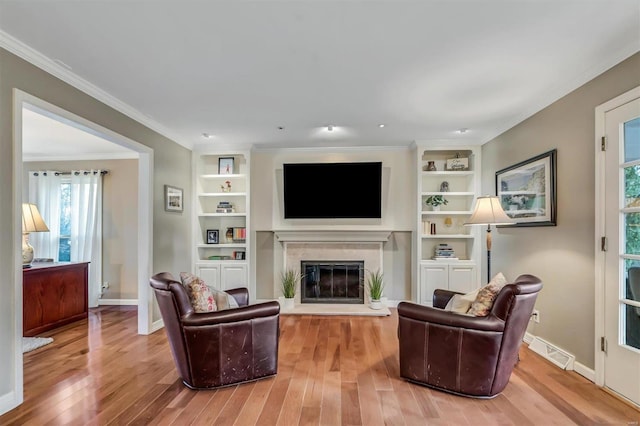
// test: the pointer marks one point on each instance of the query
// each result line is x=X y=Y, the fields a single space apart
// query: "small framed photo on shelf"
x=173 y=199
x=213 y=236
x=225 y=165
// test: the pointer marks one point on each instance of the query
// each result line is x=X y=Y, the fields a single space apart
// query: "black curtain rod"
x=103 y=172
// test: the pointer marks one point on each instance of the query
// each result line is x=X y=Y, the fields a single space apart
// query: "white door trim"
x=600 y=112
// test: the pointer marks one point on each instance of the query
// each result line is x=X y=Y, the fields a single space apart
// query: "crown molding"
x=34 y=57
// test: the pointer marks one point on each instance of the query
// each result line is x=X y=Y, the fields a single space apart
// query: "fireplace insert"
x=332 y=282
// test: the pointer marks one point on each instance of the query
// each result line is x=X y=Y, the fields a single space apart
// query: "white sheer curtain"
x=86 y=226
x=44 y=192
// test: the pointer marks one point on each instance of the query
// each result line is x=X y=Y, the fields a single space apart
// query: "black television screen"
x=332 y=190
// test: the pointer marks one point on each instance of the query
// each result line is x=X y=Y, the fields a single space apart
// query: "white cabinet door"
x=462 y=278
x=432 y=277
x=210 y=274
x=233 y=276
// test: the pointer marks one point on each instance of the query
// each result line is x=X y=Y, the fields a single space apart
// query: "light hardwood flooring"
x=332 y=370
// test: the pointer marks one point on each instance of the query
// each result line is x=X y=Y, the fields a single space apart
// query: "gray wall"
x=172 y=165
x=119 y=224
x=564 y=255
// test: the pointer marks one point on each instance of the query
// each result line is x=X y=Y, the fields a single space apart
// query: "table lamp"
x=488 y=211
x=31 y=222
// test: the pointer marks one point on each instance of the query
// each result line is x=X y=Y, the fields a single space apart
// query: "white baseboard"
x=118 y=302
x=8 y=402
x=584 y=371
x=528 y=338
x=156 y=325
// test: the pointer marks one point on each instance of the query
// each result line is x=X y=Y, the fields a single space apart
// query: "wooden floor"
x=332 y=371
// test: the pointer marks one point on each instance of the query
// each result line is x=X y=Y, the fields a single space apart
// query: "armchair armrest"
x=451 y=319
x=441 y=297
x=242 y=313
x=240 y=294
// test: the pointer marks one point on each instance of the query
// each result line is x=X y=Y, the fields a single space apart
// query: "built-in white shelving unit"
x=222 y=238
x=446 y=226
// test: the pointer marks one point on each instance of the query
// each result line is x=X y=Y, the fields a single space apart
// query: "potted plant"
x=288 y=281
x=375 y=284
x=435 y=201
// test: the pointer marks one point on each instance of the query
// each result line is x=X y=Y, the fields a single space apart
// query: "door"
x=622 y=258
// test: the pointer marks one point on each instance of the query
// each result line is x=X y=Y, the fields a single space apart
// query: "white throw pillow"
x=461 y=303
x=223 y=299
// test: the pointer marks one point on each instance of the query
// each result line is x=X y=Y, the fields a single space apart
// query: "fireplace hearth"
x=332 y=281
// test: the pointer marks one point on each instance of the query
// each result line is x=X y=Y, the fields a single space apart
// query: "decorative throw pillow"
x=481 y=306
x=223 y=299
x=200 y=296
x=461 y=303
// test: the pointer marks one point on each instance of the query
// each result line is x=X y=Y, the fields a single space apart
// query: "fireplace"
x=332 y=281
x=332 y=246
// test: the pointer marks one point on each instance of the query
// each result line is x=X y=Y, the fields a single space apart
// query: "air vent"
x=552 y=353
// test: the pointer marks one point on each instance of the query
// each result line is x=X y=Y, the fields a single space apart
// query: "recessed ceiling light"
x=280 y=127
x=330 y=128
x=207 y=136
x=381 y=125
x=461 y=131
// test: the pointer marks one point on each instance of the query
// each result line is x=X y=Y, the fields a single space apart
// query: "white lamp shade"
x=31 y=219
x=488 y=211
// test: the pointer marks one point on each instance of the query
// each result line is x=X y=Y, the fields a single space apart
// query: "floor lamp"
x=488 y=211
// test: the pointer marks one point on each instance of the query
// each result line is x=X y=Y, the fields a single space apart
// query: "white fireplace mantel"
x=333 y=236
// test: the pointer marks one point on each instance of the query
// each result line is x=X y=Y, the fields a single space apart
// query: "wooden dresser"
x=54 y=294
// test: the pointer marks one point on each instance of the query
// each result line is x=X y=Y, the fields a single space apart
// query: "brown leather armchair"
x=462 y=354
x=218 y=348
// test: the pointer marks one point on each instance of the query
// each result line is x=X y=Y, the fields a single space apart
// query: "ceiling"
x=274 y=74
x=47 y=137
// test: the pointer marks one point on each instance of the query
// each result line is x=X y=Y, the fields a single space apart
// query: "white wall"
x=398 y=211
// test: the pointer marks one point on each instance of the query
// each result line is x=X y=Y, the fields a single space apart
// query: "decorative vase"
x=435 y=208
x=229 y=235
x=288 y=303
x=431 y=166
x=375 y=304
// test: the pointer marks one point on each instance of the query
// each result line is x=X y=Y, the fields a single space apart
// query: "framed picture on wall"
x=173 y=199
x=527 y=190
x=212 y=236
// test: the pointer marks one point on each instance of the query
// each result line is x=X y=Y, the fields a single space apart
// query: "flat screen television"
x=333 y=190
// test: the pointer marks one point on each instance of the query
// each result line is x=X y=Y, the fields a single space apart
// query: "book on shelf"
x=239 y=255
x=218 y=257
x=444 y=251
x=225 y=207
x=239 y=233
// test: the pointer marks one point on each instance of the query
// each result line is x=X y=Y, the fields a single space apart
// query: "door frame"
x=600 y=113
x=145 y=199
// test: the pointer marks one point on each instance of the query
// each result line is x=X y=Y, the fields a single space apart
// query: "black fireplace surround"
x=332 y=281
